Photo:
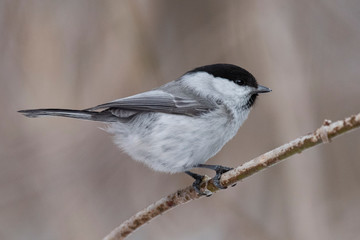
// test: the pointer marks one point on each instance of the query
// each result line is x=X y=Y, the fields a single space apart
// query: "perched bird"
x=180 y=125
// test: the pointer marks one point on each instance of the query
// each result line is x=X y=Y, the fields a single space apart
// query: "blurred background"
x=65 y=179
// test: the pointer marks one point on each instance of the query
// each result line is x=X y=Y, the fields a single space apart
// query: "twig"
x=322 y=135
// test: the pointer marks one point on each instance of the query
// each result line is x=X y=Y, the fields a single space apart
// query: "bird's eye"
x=239 y=82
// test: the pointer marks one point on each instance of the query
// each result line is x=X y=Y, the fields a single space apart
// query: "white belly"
x=175 y=143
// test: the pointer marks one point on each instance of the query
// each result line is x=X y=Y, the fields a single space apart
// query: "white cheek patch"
x=199 y=81
x=206 y=85
x=229 y=89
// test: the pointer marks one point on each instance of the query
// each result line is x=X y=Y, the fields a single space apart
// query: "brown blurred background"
x=64 y=178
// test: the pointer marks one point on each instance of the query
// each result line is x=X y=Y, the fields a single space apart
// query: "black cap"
x=230 y=72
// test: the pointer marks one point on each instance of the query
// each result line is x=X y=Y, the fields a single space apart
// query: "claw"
x=217 y=183
x=197 y=184
x=216 y=179
x=219 y=171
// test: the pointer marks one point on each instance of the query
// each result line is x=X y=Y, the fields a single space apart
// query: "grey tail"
x=104 y=116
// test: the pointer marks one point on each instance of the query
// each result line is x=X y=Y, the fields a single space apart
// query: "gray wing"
x=157 y=101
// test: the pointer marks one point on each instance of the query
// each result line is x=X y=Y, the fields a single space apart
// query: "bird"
x=180 y=125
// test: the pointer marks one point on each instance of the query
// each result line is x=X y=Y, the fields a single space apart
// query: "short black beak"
x=262 y=89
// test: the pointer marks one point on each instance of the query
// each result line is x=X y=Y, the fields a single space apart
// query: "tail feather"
x=104 y=116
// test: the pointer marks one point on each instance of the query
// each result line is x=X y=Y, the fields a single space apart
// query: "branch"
x=322 y=135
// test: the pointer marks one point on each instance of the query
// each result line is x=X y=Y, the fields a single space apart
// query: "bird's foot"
x=219 y=171
x=197 y=184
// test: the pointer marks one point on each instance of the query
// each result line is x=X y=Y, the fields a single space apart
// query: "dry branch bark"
x=324 y=134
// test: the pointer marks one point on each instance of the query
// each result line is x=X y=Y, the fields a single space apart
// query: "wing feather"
x=158 y=101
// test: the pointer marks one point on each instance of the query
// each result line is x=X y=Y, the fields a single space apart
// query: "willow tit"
x=180 y=125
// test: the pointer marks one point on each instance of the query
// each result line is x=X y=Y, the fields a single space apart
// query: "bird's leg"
x=219 y=171
x=196 y=185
